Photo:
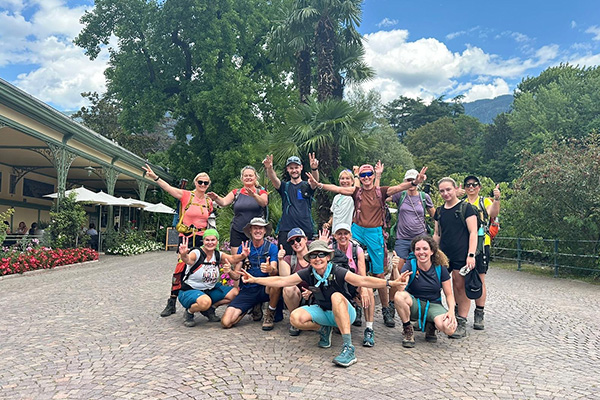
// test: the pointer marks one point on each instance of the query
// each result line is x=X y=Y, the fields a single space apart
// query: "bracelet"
x=387 y=283
x=157 y=178
x=314 y=169
x=496 y=198
x=414 y=183
x=321 y=186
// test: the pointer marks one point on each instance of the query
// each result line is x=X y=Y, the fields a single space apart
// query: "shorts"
x=189 y=297
x=236 y=238
x=373 y=239
x=249 y=296
x=434 y=310
x=325 y=317
x=402 y=248
x=456 y=265
x=482 y=260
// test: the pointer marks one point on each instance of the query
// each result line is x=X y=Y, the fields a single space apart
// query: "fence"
x=571 y=255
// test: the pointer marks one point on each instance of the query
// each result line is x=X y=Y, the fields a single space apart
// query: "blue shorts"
x=189 y=297
x=249 y=296
x=402 y=248
x=325 y=317
x=373 y=239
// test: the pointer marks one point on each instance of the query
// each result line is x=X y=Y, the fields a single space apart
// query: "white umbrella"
x=160 y=208
x=138 y=203
x=83 y=195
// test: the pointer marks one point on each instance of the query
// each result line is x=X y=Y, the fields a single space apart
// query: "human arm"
x=272 y=281
x=437 y=234
x=348 y=190
x=472 y=227
x=314 y=167
x=449 y=319
x=234 y=259
x=268 y=164
x=378 y=173
x=361 y=268
x=494 y=209
x=221 y=201
x=407 y=185
x=284 y=268
x=184 y=252
x=173 y=191
x=377 y=283
x=355 y=170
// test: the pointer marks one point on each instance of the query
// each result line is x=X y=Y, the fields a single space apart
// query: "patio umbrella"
x=160 y=208
x=83 y=195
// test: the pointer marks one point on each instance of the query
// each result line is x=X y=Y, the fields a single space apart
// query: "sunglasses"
x=471 y=184
x=312 y=256
x=365 y=174
x=297 y=239
x=409 y=179
x=206 y=183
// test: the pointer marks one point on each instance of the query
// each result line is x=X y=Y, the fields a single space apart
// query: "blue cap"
x=293 y=160
x=294 y=233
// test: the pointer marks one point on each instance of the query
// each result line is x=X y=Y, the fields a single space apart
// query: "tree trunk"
x=325 y=44
x=303 y=74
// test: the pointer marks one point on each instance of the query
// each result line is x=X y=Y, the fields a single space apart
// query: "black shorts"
x=482 y=260
x=236 y=238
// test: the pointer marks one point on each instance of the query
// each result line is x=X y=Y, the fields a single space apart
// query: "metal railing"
x=573 y=255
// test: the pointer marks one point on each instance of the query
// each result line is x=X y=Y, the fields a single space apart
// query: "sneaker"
x=369 y=339
x=294 y=331
x=346 y=357
x=430 y=335
x=478 y=320
x=256 y=313
x=268 y=323
x=461 y=329
x=388 y=318
x=358 y=320
x=325 y=336
x=210 y=314
x=408 y=336
x=170 y=308
x=189 y=319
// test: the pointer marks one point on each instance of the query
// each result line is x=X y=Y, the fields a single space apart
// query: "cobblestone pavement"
x=93 y=331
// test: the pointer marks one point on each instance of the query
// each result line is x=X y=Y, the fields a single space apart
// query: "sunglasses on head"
x=365 y=174
x=203 y=183
x=471 y=184
x=312 y=256
x=296 y=239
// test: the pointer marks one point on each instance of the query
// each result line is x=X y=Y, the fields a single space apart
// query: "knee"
x=402 y=298
x=290 y=291
x=338 y=299
x=227 y=318
x=296 y=317
x=204 y=302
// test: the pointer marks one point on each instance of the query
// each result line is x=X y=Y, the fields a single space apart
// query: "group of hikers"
x=328 y=283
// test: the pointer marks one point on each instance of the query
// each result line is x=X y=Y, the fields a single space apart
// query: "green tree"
x=67 y=218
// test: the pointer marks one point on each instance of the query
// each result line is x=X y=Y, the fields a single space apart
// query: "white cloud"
x=454 y=35
x=386 y=23
x=594 y=30
x=489 y=91
x=573 y=24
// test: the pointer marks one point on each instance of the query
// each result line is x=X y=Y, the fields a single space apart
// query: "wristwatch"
x=387 y=283
x=472 y=255
x=414 y=183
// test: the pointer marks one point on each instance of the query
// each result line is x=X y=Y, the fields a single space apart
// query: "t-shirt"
x=370 y=214
x=296 y=207
x=259 y=255
x=425 y=285
x=486 y=203
x=342 y=208
x=206 y=275
x=351 y=263
x=295 y=268
x=454 y=240
x=245 y=208
x=197 y=213
x=411 y=216
x=335 y=283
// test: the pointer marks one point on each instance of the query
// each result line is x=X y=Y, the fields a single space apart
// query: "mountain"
x=485 y=110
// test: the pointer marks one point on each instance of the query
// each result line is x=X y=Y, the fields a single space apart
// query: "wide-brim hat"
x=473 y=285
x=318 y=246
x=257 y=221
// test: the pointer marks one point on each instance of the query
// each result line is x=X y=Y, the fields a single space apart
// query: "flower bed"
x=130 y=249
x=17 y=262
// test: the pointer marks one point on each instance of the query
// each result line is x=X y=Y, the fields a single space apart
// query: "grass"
x=543 y=270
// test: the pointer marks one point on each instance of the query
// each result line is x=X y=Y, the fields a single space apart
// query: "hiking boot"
x=294 y=331
x=369 y=339
x=210 y=314
x=346 y=357
x=256 y=313
x=268 y=323
x=388 y=318
x=478 y=320
x=461 y=329
x=408 y=336
x=430 y=335
x=392 y=309
x=358 y=320
x=189 y=319
x=325 y=336
x=170 y=308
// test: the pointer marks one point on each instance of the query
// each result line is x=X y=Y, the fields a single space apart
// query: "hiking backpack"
x=179 y=276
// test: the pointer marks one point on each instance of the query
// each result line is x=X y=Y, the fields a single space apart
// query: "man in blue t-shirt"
x=296 y=197
x=262 y=261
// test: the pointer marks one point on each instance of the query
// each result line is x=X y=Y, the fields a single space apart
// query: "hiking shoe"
x=408 y=336
x=461 y=329
x=358 y=320
x=210 y=314
x=256 y=313
x=294 y=331
x=325 y=336
x=369 y=338
x=189 y=319
x=392 y=309
x=430 y=335
x=346 y=357
x=170 y=308
x=268 y=323
x=388 y=318
x=478 y=320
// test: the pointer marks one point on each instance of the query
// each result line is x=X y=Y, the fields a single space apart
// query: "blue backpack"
x=438 y=271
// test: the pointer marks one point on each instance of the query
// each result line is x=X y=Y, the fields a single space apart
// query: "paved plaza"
x=93 y=332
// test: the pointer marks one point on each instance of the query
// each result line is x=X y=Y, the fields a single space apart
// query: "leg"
x=231 y=317
x=228 y=298
x=403 y=301
x=302 y=319
x=202 y=303
x=269 y=317
x=458 y=286
x=292 y=297
x=339 y=306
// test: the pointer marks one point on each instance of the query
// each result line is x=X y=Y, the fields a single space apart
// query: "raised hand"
x=324 y=234
x=314 y=163
x=246 y=277
x=226 y=267
x=149 y=173
x=395 y=261
x=245 y=249
x=460 y=192
x=306 y=293
x=183 y=247
x=281 y=252
x=379 y=168
x=497 y=192
x=422 y=177
x=355 y=169
x=265 y=267
x=213 y=196
x=402 y=281
x=268 y=162
x=311 y=179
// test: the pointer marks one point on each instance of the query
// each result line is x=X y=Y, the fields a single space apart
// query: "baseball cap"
x=411 y=174
x=293 y=160
x=295 y=233
x=471 y=178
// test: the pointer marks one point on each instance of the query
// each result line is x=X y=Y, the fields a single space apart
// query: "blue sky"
x=480 y=49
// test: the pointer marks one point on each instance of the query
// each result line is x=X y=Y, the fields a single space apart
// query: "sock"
x=406 y=323
x=370 y=324
x=272 y=308
x=347 y=338
x=479 y=308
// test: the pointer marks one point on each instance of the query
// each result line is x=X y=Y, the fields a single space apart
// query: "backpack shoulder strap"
x=422 y=194
x=413 y=265
x=358 y=202
x=355 y=254
x=196 y=265
x=402 y=197
x=438 y=272
x=293 y=262
x=486 y=216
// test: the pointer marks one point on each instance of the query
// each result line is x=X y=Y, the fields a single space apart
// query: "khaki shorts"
x=434 y=310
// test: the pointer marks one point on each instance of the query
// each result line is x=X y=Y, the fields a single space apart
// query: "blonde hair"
x=250 y=167
x=200 y=175
x=447 y=179
x=346 y=172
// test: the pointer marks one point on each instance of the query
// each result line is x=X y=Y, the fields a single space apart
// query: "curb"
x=44 y=270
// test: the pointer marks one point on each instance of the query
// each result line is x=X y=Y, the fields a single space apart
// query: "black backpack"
x=200 y=261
